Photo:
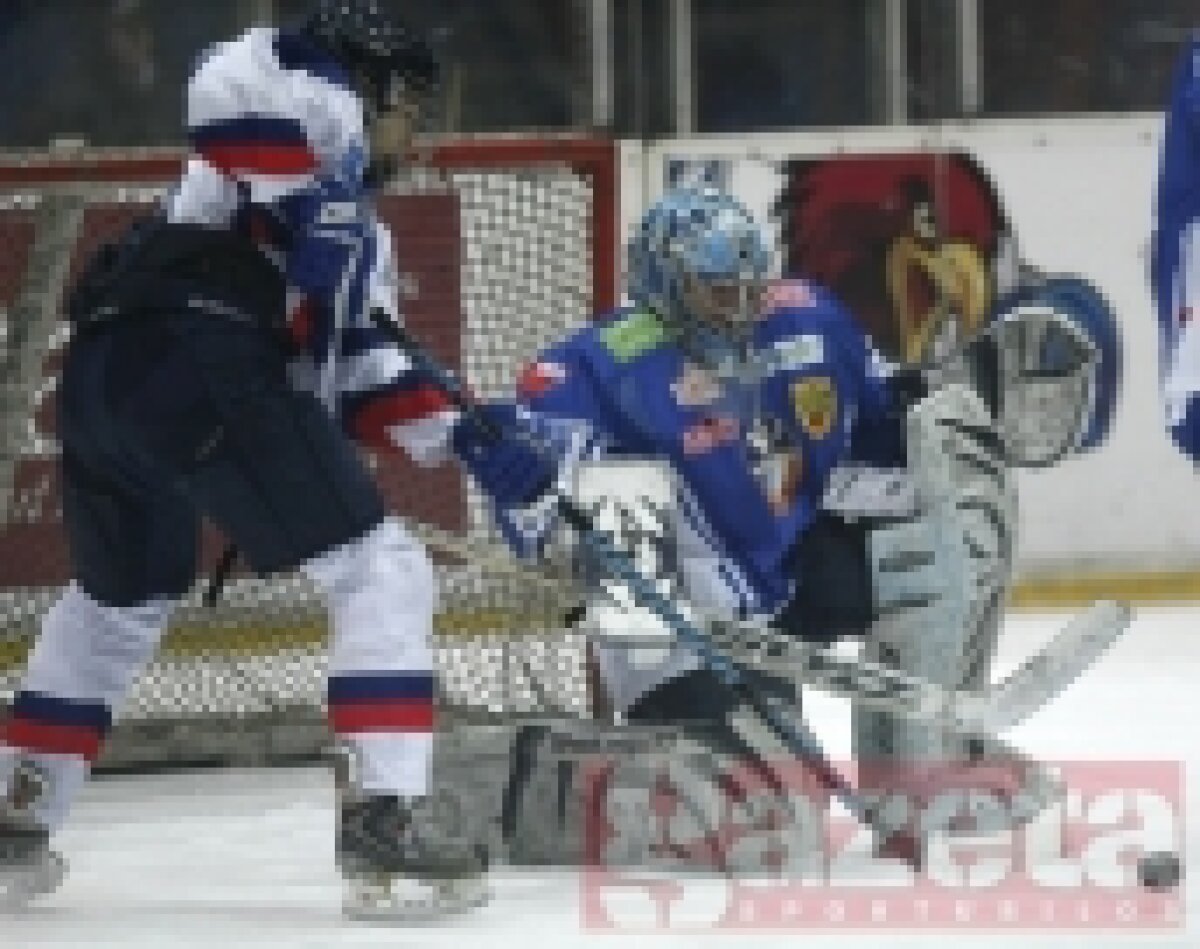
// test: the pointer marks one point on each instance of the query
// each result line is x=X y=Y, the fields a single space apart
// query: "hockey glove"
x=333 y=234
x=511 y=467
x=834 y=595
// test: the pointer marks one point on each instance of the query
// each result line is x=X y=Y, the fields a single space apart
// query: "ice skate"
x=398 y=865
x=29 y=868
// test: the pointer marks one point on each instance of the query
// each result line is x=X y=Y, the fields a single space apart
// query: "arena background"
x=560 y=121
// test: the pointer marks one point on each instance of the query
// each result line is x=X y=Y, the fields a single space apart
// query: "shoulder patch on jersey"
x=814 y=400
x=709 y=434
x=637 y=333
x=540 y=377
x=796 y=352
x=788 y=294
x=695 y=387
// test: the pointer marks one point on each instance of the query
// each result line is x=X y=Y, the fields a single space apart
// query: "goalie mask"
x=1057 y=362
x=698 y=260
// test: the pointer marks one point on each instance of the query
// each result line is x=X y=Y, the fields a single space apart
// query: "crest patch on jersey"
x=540 y=377
x=709 y=433
x=796 y=352
x=636 y=334
x=695 y=387
x=814 y=401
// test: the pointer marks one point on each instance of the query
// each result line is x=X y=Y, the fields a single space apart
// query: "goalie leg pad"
x=718 y=804
x=583 y=794
x=943 y=577
x=678 y=796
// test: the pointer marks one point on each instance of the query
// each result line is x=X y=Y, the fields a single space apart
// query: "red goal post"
x=503 y=244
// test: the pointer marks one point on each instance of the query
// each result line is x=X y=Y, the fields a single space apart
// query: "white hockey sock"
x=390 y=763
x=380 y=591
x=78 y=673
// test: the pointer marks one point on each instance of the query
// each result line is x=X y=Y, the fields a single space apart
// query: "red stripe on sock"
x=52 y=739
x=399 y=716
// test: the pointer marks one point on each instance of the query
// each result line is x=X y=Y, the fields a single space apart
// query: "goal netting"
x=502 y=247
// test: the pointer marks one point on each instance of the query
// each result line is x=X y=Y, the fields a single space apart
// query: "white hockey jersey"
x=279 y=151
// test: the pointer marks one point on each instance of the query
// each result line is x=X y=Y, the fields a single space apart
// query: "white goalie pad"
x=941 y=575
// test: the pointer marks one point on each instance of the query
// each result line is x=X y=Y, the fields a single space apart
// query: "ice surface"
x=244 y=858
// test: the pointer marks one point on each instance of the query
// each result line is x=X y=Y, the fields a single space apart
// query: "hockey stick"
x=798 y=740
x=220 y=575
x=1041 y=677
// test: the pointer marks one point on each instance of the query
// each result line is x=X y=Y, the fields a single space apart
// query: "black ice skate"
x=28 y=867
x=399 y=864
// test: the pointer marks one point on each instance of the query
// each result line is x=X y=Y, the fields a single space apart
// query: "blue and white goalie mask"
x=699 y=260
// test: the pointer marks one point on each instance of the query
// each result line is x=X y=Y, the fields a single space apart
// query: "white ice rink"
x=244 y=858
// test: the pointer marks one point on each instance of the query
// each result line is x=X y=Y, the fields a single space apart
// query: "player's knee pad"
x=381 y=592
x=92 y=652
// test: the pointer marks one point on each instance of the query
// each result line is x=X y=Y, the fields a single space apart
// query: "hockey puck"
x=1160 y=871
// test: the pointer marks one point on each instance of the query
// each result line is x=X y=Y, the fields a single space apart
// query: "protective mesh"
x=496 y=261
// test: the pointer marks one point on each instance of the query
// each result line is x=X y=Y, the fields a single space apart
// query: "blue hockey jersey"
x=1176 y=255
x=816 y=390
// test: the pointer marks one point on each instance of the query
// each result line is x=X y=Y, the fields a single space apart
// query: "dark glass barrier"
x=1061 y=56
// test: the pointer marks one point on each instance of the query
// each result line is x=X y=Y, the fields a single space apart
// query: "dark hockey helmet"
x=390 y=58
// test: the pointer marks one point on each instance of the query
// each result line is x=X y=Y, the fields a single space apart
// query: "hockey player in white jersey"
x=223 y=357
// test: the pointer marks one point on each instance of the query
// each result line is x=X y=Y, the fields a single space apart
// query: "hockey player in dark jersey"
x=223 y=357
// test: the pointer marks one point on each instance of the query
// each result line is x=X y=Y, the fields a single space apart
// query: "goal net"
x=502 y=246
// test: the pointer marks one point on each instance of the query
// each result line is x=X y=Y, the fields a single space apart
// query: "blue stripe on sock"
x=373 y=687
x=52 y=710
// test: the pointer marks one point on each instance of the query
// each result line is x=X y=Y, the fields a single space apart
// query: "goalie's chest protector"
x=659 y=405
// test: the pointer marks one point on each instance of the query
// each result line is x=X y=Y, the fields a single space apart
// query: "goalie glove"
x=1047 y=368
x=850 y=572
x=884 y=543
x=333 y=238
x=506 y=461
x=834 y=595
